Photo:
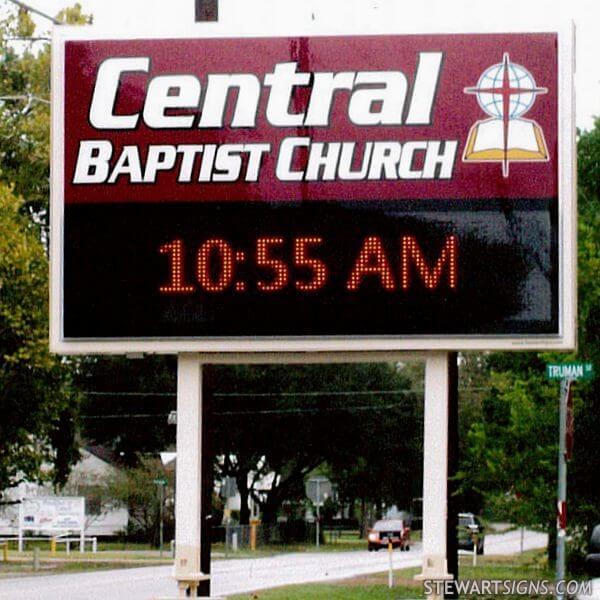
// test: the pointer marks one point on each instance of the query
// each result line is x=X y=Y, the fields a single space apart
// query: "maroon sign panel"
x=382 y=117
x=311 y=186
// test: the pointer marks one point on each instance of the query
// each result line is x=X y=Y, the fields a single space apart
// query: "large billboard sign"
x=312 y=192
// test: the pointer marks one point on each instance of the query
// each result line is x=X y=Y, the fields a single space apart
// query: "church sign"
x=312 y=192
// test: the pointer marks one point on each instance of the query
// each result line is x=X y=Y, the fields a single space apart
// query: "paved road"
x=510 y=542
x=233 y=576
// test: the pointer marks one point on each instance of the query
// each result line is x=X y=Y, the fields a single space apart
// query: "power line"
x=28 y=97
x=22 y=38
x=291 y=411
x=315 y=393
x=124 y=416
x=141 y=394
x=294 y=411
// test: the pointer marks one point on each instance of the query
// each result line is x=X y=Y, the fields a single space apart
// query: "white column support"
x=435 y=472
x=188 y=505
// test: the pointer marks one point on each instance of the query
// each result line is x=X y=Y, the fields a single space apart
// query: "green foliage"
x=511 y=459
x=588 y=158
x=37 y=407
x=25 y=118
x=584 y=483
x=135 y=489
x=74 y=16
x=371 y=442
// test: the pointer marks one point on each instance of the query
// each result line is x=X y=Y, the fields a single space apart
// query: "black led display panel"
x=322 y=268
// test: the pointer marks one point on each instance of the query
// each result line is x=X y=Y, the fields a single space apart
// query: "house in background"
x=88 y=478
x=228 y=490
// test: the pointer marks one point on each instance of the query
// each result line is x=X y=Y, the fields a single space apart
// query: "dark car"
x=592 y=559
x=395 y=531
x=470 y=531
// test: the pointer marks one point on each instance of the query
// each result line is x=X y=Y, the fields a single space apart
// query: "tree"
x=511 y=459
x=37 y=403
x=583 y=482
x=135 y=489
x=289 y=420
x=25 y=117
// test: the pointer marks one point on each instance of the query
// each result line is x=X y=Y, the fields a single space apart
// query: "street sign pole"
x=561 y=520
x=161 y=483
x=567 y=373
x=318 y=510
x=161 y=517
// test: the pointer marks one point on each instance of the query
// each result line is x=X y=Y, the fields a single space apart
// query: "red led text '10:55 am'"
x=217 y=262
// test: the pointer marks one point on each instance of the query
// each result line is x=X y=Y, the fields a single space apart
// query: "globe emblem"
x=518 y=77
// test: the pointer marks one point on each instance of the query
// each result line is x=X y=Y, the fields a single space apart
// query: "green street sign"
x=160 y=481
x=574 y=370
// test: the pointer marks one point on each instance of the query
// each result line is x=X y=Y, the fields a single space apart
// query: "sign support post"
x=435 y=472
x=188 y=507
x=452 y=503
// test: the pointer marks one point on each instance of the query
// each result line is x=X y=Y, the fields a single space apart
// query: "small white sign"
x=52 y=513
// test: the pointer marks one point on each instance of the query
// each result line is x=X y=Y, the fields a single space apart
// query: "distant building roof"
x=106 y=454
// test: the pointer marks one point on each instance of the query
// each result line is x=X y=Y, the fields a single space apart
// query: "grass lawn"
x=531 y=565
x=20 y=564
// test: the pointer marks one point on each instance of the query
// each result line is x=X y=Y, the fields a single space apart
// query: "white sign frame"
x=325 y=348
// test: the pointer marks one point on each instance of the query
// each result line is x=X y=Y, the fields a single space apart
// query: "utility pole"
x=561 y=521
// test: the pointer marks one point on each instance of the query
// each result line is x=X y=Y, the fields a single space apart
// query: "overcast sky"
x=128 y=15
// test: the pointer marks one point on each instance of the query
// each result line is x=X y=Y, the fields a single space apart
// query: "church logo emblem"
x=506 y=92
